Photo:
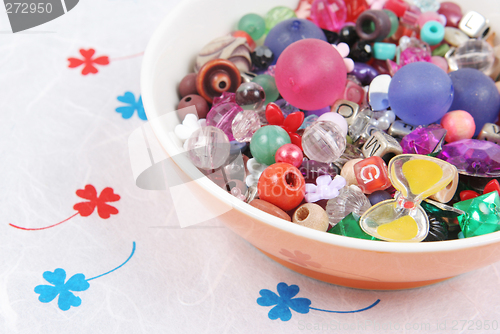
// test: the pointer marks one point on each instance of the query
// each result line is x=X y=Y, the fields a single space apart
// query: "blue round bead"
x=477 y=94
x=384 y=51
x=379 y=196
x=286 y=32
x=420 y=93
x=432 y=32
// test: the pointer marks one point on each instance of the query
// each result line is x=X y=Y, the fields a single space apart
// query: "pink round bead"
x=428 y=16
x=440 y=62
x=310 y=74
x=291 y=154
x=459 y=125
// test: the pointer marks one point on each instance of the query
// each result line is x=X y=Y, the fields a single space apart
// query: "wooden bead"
x=216 y=77
x=311 y=215
x=195 y=100
x=187 y=85
x=347 y=172
x=270 y=208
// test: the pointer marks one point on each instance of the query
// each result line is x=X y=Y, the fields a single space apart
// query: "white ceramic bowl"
x=340 y=260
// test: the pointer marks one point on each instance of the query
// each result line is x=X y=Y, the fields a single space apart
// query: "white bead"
x=390 y=115
x=378 y=92
x=383 y=123
x=473 y=24
x=454 y=36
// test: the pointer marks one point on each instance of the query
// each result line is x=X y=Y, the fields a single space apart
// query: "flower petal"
x=68 y=299
x=57 y=277
x=105 y=211
x=74 y=62
x=77 y=282
x=268 y=298
x=88 y=193
x=128 y=98
x=87 y=54
x=287 y=292
x=89 y=68
x=47 y=293
x=108 y=195
x=280 y=311
x=126 y=112
x=85 y=209
x=286 y=252
x=140 y=110
x=103 y=60
x=300 y=305
x=323 y=180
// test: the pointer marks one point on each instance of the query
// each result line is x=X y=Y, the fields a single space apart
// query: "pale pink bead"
x=440 y=62
x=459 y=125
x=244 y=125
x=428 y=16
x=291 y=154
x=337 y=119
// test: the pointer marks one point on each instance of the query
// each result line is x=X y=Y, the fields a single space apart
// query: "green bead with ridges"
x=278 y=14
x=266 y=141
x=268 y=83
x=253 y=24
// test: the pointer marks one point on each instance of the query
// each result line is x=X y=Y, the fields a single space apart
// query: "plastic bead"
x=336 y=118
x=310 y=74
x=197 y=101
x=396 y=6
x=250 y=95
x=217 y=76
x=323 y=141
x=246 y=36
x=490 y=132
x=270 y=208
x=447 y=193
x=427 y=5
x=290 y=124
x=364 y=73
x=394 y=22
x=325 y=188
x=350 y=199
x=277 y=15
x=262 y=57
x=477 y=94
x=331 y=36
x=349 y=227
x=454 y=36
x=311 y=170
x=266 y=141
x=355 y=8
x=441 y=51
x=459 y=125
x=189 y=125
x=361 y=52
x=373 y=25
x=348 y=35
x=208 y=148
x=420 y=93
x=481 y=215
x=371 y=174
x=438 y=229
x=187 y=85
x=379 y=196
x=234 y=49
x=222 y=116
x=329 y=14
x=472 y=54
x=400 y=129
x=440 y=62
x=354 y=92
x=384 y=51
x=289 y=31
x=311 y=215
x=283 y=185
x=382 y=145
x=291 y=154
x=452 y=12
x=432 y=32
x=426 y=17
x=474 y=25
x=267 y=83
x=253 y=24
x=378 y=92
x=244 y=125
x=255 y=170
x=347 y=109
x=424 y=140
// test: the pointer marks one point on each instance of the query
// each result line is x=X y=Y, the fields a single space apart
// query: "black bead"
x=348 y=35
x=361 y=52
x=331 y=36
x=262 y=57
x=438 y=230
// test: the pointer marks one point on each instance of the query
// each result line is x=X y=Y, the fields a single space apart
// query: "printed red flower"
x=88 y=62
x=87 y=208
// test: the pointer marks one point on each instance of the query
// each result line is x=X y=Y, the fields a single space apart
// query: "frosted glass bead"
x=208 y=147
x=245 y=124
x=323 y=141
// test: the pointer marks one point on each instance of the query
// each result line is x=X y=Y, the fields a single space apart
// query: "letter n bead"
x=382 y=145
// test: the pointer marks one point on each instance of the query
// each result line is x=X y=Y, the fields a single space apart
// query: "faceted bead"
x=349 y=227
x=222 y=115
x=423 y=140
x=282 y=185
x=355 y=8
x=396 y=6
x=329 y=14
x=250 y=95
x=311 y=215
x=268 y=83
x=360 y=123
x=482 y=215
x=266 y=141
x=472 y=54
x=473 y=157
x=350 y=199
x=336 y=118
x=244 y=125
x=208 y=148
x=372 y=174
x=262 y=57
x=253 y=24
x=323 y=141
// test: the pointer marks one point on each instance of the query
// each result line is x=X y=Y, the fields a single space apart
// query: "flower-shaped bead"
x=189 y=125
x=325 y=188
x=66 y=298
x=290 y=124
x=255 y=169
x=343 y=49
x=284 y=301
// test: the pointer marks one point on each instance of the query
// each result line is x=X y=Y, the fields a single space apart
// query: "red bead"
x=492 y=186
x=468 y=194
x=283 y=185
x=355 y=8
x=291 y=154
x=241 y=33
x=290 y=124
x=372 y=174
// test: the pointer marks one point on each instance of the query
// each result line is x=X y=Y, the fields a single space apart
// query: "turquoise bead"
x=432 y=33
x=253 y=24
x=384 y=51
x=268 y=83
x=266 y=141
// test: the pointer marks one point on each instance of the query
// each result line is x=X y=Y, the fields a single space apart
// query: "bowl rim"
x=151 y=56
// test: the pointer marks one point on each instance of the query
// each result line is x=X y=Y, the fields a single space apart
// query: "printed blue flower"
x=284 y=301
x=133 y=105
x=66 y=297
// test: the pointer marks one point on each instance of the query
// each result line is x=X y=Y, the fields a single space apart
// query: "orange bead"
x=372 y=174
x=241 y=33
x=283 y=185
x=216 y=77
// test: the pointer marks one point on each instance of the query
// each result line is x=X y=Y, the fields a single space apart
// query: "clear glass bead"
x=474 y=53
x=208 y=147
x=250 y=95
x=245 y=124
x=350 y=199
x=323 y=141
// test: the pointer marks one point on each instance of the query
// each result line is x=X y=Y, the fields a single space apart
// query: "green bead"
x=253 y=24
x=268 y=83
x=441 y=50
x=394 y=22
x=384 y=51
x=348 y=139
x=278 y=14
x=349 y=227
x=266 y=141
x=482 y=215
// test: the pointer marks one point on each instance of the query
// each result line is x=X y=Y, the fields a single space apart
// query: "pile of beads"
x=372 y=119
